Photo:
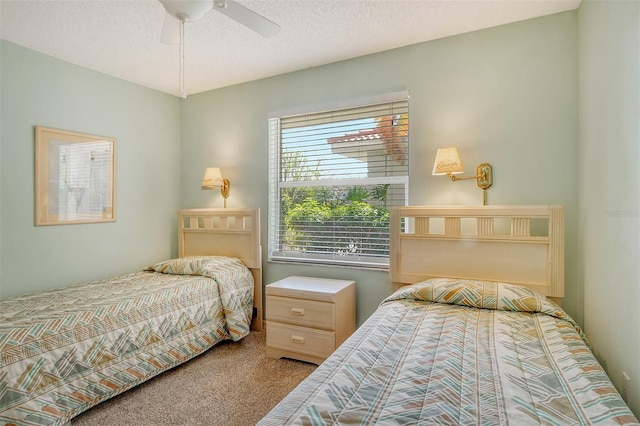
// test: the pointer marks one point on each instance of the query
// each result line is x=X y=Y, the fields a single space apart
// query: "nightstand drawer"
x=291 y=338
x=301 y=312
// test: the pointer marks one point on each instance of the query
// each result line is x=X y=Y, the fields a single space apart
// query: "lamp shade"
x=212 y=178
x=447 y=162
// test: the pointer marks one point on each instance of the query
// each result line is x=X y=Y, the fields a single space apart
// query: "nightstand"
x=308 y=318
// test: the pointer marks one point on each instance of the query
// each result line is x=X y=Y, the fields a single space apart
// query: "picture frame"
x=75 y=177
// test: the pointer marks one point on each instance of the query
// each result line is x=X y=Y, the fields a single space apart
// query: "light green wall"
x=41 y=90
x=609 y=221
x=507 y=96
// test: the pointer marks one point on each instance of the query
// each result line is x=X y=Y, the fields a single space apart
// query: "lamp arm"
x=455 y=178
x=483 y=177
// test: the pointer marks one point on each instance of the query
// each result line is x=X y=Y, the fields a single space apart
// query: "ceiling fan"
x=180 y=12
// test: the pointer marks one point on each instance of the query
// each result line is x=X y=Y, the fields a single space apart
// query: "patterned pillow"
x=483 y=295
x=480 y=294
x=189 y=265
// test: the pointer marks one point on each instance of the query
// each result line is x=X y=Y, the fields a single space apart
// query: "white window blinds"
x=333 y=176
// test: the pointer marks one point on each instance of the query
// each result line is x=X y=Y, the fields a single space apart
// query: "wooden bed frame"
x=517 y=244
x=521 y=359
x=225 y=232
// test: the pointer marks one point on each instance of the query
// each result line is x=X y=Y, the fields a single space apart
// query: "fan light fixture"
x=180 y=12
x=189 y=10
x=448 y=163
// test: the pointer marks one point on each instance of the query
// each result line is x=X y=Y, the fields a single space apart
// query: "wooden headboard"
x=515 y=244
x=225 y=232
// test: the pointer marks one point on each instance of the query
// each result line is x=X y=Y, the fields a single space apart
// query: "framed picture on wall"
x=75 y=177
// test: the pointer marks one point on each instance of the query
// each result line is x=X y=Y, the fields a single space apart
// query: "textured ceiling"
x=122 y=37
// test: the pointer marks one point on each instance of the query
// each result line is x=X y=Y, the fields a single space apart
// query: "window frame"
x=275 y=254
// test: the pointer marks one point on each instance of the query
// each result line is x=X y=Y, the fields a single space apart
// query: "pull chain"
x=181 y=90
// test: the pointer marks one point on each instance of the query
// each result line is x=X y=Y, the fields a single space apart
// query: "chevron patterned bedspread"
x=449 y=352
x=64 y=351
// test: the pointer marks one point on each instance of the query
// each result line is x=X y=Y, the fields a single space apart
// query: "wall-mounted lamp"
x=213 y=180
x=448 y=163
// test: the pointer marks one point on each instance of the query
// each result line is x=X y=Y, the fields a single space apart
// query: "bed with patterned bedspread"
x=452 y=352
x=64 y=351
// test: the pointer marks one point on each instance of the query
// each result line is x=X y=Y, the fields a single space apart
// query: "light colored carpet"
x=233 y=383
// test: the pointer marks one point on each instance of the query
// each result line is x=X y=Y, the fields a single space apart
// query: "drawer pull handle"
x=297 y=339
x=297 y=311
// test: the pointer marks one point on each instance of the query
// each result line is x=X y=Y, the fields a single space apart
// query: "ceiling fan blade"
x=247 y=17
x=170 y=30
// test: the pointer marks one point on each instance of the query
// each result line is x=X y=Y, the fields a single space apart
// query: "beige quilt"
x=449 y=352
x=64 y=351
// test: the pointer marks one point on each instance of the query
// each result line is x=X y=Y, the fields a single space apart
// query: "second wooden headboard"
x=516 y=244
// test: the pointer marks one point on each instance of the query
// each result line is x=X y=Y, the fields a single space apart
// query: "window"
x=334 y=174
